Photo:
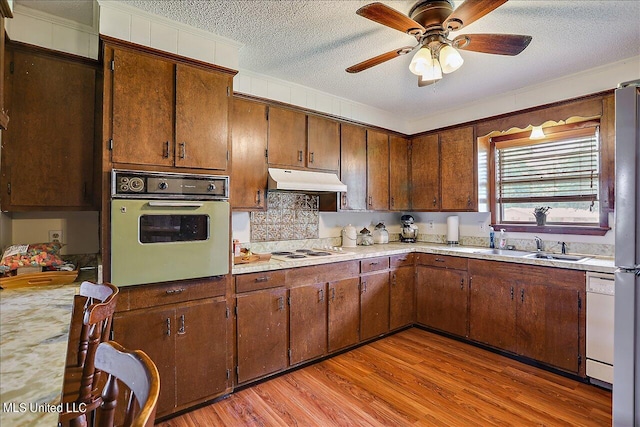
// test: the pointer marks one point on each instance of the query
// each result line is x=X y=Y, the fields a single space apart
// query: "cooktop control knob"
x=211 y=186
x=163 y=185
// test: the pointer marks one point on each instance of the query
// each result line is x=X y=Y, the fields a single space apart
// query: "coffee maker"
x=409 y=231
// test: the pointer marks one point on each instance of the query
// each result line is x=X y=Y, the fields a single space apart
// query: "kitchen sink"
x=505 y=252
x=557 y=257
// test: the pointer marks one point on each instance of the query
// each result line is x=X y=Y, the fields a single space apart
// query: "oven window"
x=173 y=228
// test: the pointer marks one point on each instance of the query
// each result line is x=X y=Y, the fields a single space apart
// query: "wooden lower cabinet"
x=344 y=313
x=442 y=293
x=374 y=305
x=402 y=306
x=187 y=342
x=532 y=311
x=307 y=322
x=261 y=333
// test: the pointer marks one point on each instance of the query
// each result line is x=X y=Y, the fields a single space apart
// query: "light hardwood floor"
x=412 y=378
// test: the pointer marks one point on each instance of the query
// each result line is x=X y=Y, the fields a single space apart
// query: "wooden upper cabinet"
x=153 y=98
x=202 y=117
x=353 y=167
x=425 y=173
x=399 y=174
x=458 y=176
x=377 y=171
x=143 y=109
x=47 y=151
x=323 y=144
x=248 y=158
x=287 y=137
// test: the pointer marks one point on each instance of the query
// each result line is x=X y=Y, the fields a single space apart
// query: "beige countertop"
x=592 y=263
x=34 y=332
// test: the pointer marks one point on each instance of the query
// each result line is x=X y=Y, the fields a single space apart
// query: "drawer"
x=312 y=275
x=401 y=260
x=256 y=281
x=374 y=264
x=443 y=261
x=141 y=296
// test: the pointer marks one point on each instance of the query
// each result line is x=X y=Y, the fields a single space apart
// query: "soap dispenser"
x=503 y=239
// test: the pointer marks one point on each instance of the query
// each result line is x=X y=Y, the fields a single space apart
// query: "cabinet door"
x=201 y=350
x=442 y=299
x=492 y=308
x=458 y=174
x=374 y=305
x=287 y=137
x=308 y=323
x=402 y=297
x=353 y=167
x=261 y=333
x=143 y=109
x=425 y=173
x=398 y=173
x=344 y=313
x=47 y=152
x=377 y=171
x=248 y=157
x=153 y=331
x=323 y=144
x=548 y=325
x=202 y=118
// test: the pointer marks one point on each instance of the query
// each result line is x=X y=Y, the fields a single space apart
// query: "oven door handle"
x=180 y=204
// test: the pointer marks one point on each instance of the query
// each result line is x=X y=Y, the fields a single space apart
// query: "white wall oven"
x=168 y=226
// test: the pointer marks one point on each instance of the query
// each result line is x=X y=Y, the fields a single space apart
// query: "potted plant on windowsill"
x=541 y=214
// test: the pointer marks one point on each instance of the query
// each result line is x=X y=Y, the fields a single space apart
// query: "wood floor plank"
x=412 y=378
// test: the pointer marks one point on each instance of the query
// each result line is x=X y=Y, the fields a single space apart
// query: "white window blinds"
x=561 y=167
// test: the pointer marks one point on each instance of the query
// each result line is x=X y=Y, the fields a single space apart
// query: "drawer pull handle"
x=175 y=291
x=333 y=294
x=374 y=263
x=262 y=279
x=462 y=284
x=364 y=287
x=402 y=259
x=281 y=303
x=321 y=295
x=168 y=326
x=440 y=260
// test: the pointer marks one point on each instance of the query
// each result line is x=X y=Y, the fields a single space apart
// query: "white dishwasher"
x=600 y=309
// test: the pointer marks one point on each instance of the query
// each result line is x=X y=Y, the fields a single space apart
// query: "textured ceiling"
x=312 y=42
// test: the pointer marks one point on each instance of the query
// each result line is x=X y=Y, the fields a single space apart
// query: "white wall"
x=79 y=230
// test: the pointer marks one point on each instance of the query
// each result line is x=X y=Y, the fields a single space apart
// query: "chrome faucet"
x=539 y=244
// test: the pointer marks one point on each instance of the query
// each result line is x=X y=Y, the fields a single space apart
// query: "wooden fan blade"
x=390 y=17
x=499 y=44
x=422 y=83
x=378 y=59
x=470 y=11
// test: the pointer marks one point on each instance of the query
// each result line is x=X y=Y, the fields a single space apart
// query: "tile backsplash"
x=289 y=216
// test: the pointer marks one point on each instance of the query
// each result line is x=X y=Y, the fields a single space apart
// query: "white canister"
x=349 y=236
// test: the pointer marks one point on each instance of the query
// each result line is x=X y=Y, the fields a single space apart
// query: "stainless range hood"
x=305 y=181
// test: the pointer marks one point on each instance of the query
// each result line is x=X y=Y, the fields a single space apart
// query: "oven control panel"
x=167 y=185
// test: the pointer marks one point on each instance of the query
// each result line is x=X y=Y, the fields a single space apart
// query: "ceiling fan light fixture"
x=450 y=59
x=433 y=72
x=421 y=61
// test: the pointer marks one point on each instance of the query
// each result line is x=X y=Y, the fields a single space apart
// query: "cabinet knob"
x=435 y=201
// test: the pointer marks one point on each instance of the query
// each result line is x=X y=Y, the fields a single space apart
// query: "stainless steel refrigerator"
x=626 y=361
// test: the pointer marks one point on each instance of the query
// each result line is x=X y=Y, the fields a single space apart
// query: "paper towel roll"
x=453 y=223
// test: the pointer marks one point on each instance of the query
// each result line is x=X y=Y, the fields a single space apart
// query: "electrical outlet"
x=430 y=224
x=55 y=236
x=482 y=226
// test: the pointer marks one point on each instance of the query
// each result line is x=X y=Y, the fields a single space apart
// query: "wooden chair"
x=137 y=371
x=98 y=303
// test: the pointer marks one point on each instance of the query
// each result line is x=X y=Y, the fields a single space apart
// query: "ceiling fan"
x=430 y=22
